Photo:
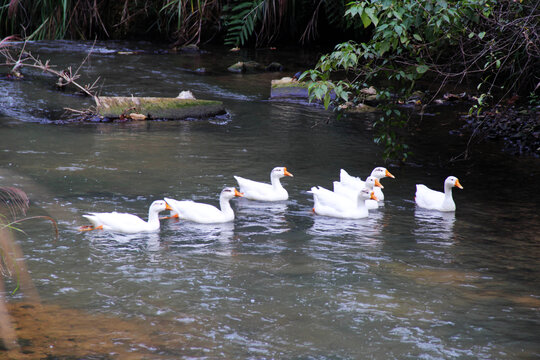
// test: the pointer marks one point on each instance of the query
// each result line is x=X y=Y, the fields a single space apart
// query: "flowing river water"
x=279 y=281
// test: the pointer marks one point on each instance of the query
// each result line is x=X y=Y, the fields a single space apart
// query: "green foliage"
x=261 y=21
x=481 y=103
x=386 y=129
x=485 y=40
x=50 y=17
x=534 y=99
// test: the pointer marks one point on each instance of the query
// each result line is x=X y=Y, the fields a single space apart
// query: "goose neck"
x=225 y=205
x=360 y=202
x=448 y=190
x=276 y=183
x=153 y=217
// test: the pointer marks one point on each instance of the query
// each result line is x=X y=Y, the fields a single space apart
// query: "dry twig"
x=24 y=58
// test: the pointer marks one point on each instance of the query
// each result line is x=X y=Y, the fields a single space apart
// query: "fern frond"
x=242 y=20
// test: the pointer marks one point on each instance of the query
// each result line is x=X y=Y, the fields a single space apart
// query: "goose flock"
x=351 y=198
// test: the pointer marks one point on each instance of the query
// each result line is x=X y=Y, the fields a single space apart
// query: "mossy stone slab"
x=292 y=90
x=158 y=107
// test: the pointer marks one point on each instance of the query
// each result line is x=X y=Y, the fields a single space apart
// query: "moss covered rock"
x=157 y=107
x=288 y=88
x=246 y=67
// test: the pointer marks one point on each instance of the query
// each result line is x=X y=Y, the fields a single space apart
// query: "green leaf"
x=242 y=6
x=417 y=37
x=365 y=19
x=422 y=69
x=481 y=35
x=327 y=100
x=372 y=16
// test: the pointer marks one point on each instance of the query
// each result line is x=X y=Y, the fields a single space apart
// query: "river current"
x=279 y=281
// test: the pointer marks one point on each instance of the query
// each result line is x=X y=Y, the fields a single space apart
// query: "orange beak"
x=168 y=207
x=389 y=175
x=378 y=183
x=287 y=173
x=373 y=197
x=457 y=184
x=238 y=193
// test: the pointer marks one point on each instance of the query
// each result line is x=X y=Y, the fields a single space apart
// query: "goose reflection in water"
x=201 y=237
x=116 y=244
x=267 y=217
x=434 y=226
x=367 y=230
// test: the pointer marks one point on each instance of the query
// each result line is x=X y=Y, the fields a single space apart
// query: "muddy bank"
x=52 y=332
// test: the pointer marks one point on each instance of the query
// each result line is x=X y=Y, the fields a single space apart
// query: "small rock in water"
x=136 y=116
x=186 y=95
x=245 y=66
x=283 y=80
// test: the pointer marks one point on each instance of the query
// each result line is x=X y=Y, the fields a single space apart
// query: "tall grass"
x=88 y=19
x=51 y=19
x=234 y=22
x=192 y=19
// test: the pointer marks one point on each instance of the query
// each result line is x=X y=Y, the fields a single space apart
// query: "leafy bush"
x=491 y=44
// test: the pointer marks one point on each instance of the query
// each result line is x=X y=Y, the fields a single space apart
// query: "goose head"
x=229 y=193
x=159 y=206
x=372 y=181
x=366 y=194
x=280 y=172
x=452 y=181
x=380 y=172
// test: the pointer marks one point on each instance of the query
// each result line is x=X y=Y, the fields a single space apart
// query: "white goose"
x=205 y=213
x=436 y=200
x=126 y=223
x=328 y=203
x=357 y=183
x=255 y=190
x=371 y=183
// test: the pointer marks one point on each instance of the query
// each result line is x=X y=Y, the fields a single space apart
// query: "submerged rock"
x=246 y=66
x=349 y=107
x=254 y=67
x=288 y=88
x=188 y=48
x=157 y=108
x=274 y=67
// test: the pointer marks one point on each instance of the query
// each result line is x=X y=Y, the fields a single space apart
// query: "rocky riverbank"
x=517 y=127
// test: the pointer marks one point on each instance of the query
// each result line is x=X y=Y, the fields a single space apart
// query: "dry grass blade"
x=13 y=5
x=5 y=42
x=54 y=223
x=15 y=200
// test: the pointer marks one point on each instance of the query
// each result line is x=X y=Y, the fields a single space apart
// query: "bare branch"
x=27 y=59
